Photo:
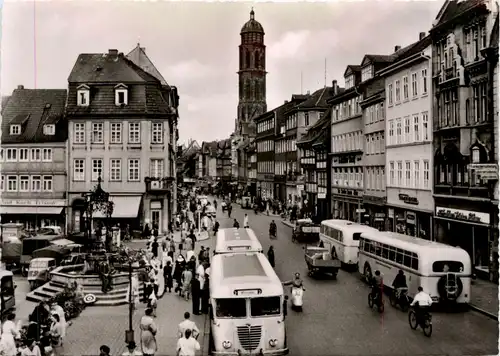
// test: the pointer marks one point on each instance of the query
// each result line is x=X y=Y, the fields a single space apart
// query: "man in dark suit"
x=195 y=293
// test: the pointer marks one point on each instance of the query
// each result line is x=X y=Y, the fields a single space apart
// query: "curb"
x=484 y=312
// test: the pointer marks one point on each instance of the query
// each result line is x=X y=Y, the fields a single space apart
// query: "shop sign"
x=465 y=215
x=188 y=180
x=33 y=202
x=380 y=215
x=321 y=195
x=485 y=171
x=408 y=200
x=361 y=211
x=410 y=218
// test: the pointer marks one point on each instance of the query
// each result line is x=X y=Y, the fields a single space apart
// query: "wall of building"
x=212 y=167
x=106 y=151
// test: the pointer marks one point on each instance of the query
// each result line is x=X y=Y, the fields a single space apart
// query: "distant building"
x=33 y=158
x=122 y=130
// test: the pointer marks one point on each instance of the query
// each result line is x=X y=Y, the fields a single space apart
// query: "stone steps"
x=117 y=296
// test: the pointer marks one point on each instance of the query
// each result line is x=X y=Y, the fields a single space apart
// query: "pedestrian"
x=188 y=245
x=270 y=256
x=188 y=324
x=148 y=334
x=56 y=334
x=187 y=277
x=156 y=283
x=195 y=293
x=229 y=210
x=216 y=227
x=104 y=350
x=153 y=303
x=205 y=294
x=201 y=254
x=154 y=246
x=31 y=349
x=178 y=269
x=187 y=345
x=148 y=288
x=245 y=222
x=57 y=309
x=132 y=350
x=183 y=238
x=236 y=224
x=167 y=276
x=9 y=333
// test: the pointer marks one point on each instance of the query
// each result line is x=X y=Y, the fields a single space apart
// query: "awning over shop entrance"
x=125 y=207
x=22 y=210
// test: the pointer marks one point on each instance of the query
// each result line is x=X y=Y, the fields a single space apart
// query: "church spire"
x=252 y=15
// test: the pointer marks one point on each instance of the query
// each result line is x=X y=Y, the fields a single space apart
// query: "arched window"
x=247 y=59
x=252 y=60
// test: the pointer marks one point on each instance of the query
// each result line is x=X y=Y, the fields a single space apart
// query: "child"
x=153 y=303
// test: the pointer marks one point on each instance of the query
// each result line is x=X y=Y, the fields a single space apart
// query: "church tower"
x=252 y=75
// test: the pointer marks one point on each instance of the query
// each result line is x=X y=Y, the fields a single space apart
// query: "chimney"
x=20 y=86
x=397 y=48
x=308 y=92
x=113 y=52
x=421 y=36
x=335 y=87
x=120 y=54
x=286 y=101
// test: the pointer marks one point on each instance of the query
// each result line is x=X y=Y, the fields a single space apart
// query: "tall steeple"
x=252 y=74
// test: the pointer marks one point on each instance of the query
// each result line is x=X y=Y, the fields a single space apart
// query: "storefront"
x=34 y=213
x=472 y=229
x=348 y=207
x=410 y=212
x=375 y=214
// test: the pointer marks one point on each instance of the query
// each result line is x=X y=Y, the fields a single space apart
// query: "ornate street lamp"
x=98 y=200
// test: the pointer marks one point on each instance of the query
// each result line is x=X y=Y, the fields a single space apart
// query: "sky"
x=195 y=46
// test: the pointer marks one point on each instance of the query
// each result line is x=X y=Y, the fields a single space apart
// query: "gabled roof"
x=107 y=68
x=5 y=100
x=317 y=99
x=351 y=68
x=33 y=108
x=318 y=129
x=453 y=8
x=138 y=56
x=377 y=58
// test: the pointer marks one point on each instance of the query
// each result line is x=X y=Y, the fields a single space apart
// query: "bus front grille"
x=249 y=336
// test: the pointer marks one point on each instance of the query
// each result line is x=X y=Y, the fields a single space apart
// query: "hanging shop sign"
x=410 y=218
x=408 y=200
x=464 y=215
x=484 y=171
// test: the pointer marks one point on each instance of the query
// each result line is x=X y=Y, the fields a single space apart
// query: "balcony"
x=158 y=185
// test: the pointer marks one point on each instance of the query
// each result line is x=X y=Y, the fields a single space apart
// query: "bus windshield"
x=231 y=308
x=448 y=266
x=265 y=306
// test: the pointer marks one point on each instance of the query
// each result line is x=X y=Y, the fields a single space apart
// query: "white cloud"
x=190 y=69
x=289 y=45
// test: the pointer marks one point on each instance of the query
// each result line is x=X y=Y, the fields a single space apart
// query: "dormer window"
x=367 y=73
x=349 y=81
x=83 y=95
x=121 y=95
x=15 y=129
x=49 y=130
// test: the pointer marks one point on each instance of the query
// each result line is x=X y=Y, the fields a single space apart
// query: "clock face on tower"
x=252 y=72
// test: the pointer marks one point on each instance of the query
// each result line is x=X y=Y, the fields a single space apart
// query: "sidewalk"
x=484 y=298
x=106 y=326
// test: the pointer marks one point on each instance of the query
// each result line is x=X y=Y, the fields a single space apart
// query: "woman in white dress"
x=148 y=334
x=57 y=309
x=9 y=333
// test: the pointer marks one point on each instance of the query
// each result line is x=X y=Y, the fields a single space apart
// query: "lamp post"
x=129 y=334
x=97 y=200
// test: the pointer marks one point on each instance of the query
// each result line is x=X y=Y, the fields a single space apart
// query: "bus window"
x=414 y=261
x=407 y=259
x=231 y=308
x=355 y=236
x=448 y=266
x=265 y=306
x=399 y=256
x=385 y=251
x=392 y=253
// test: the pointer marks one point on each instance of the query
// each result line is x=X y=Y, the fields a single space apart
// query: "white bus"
x=246 y=298
x=344 y=236
x=237 y=240
x=443 y=271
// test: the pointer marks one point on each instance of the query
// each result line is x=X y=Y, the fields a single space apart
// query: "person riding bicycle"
x=399 y=283
x=421 y=303
x=377 y=284
x=272 y=228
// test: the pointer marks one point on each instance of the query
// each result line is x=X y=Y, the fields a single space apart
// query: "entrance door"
x=156 y=219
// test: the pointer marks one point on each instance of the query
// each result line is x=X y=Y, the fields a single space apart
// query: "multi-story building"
x=33 y=158
x=408 y=144
x=224 y=166
x=208 y=156
x=251 y=152
x=347 y=148
x=264 y=147
x=311 y=185
x=285 y=172
x=465 y=161
x=122 y=132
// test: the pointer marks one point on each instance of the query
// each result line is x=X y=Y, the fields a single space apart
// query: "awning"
x=125 y=207
x=48 y=210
